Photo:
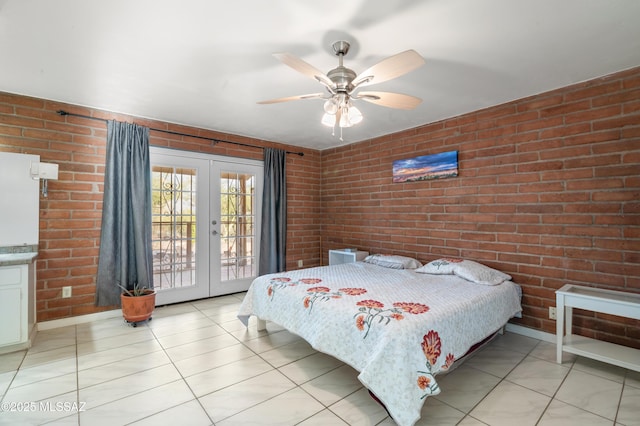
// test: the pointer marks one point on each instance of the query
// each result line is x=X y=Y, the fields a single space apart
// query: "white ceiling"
x=206 y=63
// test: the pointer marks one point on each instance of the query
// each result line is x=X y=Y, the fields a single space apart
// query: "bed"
x=398 y=328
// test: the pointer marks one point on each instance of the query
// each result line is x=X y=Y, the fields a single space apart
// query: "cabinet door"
x=10 y=315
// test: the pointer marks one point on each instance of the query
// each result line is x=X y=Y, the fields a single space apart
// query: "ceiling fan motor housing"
x=342 y=78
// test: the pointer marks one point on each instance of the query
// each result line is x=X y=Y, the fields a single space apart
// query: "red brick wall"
x=548 y=191
x=70 y=216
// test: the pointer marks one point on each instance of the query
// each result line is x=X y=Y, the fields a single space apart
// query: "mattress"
x=396 y=327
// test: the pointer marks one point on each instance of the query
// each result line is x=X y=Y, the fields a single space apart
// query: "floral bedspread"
x=398 y=328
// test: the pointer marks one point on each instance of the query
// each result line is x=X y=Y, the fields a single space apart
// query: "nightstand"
x=337 y=257
x=597 y=300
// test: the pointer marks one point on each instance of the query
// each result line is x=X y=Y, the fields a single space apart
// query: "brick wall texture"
x=71 y=214
x=548 y=191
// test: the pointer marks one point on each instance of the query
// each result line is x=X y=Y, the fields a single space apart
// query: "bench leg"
x=261 y=325
x=560 y=319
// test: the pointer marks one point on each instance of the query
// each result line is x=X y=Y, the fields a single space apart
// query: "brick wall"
x=70 y=216
x=548 y=191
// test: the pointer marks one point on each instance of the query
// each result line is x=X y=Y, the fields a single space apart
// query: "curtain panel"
x=125 y=257
x=273 y=238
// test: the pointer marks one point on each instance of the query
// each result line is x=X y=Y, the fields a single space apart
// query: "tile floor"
x=195 y=364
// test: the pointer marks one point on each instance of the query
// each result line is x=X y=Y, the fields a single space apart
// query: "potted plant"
x=137 y=304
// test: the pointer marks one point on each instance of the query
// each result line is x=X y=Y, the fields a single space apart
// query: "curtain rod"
x=215 y=141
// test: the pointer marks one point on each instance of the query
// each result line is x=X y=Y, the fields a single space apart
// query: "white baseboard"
x=530 y=332
x=80 y=319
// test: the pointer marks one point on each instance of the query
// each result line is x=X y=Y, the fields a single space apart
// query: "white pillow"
x=393 y=261
x=467 y=269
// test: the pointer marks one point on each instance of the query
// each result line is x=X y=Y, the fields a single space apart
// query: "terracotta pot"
x=138 y=308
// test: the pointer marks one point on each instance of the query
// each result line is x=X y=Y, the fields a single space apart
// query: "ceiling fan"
x=343 y=83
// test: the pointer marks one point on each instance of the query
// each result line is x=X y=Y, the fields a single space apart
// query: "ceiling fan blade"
x=388 y=99
x=306 y=69
x=389 y=68
x=294 y=98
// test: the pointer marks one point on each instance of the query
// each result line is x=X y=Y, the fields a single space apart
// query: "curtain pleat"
x=273 y=237
x=125 y=256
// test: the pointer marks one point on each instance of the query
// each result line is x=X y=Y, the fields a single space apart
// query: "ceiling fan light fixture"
x=331 y=107
x=344 y=121
x=342 y=82
x=350 y=116
x=328 y=120
x=355 y=116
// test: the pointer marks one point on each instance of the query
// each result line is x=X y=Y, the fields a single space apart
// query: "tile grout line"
x=76 y=333
x=274 y=368
x=111 y=380
x=468 y=415
x=184 y=380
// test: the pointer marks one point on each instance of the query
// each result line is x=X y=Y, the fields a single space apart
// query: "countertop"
x=18 y=255
x=8 y=259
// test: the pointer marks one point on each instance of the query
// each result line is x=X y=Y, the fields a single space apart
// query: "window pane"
x=237 y=226
x=173 y=226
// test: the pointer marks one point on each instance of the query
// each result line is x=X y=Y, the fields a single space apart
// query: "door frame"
x=205 y=283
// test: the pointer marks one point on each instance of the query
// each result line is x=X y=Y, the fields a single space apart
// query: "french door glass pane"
x=237 y=230
x=173 y=226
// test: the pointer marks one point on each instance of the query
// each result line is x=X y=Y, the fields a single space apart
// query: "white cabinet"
x=336 y=257
x=597 y=300
x=17 y=305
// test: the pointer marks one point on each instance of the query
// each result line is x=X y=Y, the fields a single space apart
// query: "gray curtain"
x=125 y=241
x=273 y=238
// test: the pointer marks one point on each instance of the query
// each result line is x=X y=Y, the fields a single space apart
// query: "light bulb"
x=330 y=107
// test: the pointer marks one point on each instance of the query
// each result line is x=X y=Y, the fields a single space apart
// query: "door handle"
x=214 y=232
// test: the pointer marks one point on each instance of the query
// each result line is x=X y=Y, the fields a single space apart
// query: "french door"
x=205 y=214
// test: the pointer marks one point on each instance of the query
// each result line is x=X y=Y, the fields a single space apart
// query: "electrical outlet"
x=300 y=263
x=66 y=291
x=552 y=312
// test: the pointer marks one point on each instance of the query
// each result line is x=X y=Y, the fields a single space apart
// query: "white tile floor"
x=195 y=364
